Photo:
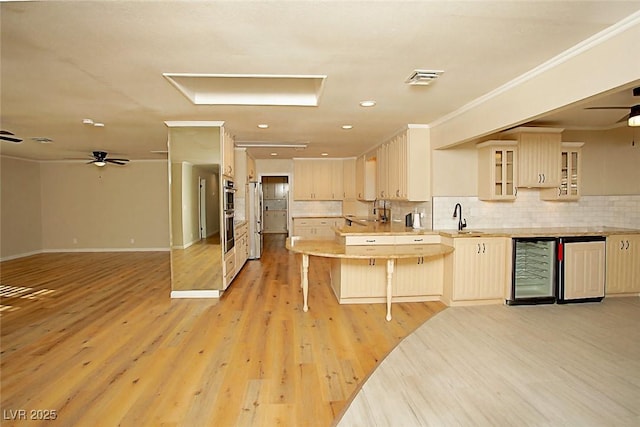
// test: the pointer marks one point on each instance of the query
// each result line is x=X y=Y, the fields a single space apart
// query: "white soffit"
x=249 y=89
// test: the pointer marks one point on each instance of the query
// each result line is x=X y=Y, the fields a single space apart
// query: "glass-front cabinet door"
x=570 y=165
x=497 y=169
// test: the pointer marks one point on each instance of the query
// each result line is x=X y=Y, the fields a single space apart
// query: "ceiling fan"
x=5 y=135
x=100 y=159
x=633 y=118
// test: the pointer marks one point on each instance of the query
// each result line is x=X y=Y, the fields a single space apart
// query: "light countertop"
x=333 y=249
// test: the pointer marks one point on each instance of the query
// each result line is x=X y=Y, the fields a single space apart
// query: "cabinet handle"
x=621 y=244
x=418 y=240
x=370 y=241
x=515 y=191
x=627 y=248
x=544 y=178
x=483 y=248
x=559 y=191
x=478 y=247
x=397 y=193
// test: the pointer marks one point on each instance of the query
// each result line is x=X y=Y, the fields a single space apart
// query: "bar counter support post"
x=305 y=281
x=390 y=263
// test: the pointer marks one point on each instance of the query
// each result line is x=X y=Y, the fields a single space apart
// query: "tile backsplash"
x=529 y=211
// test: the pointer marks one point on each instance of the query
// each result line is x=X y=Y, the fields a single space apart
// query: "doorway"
x=275 y=206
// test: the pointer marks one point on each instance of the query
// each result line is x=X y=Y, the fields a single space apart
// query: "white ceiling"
x=63 y=62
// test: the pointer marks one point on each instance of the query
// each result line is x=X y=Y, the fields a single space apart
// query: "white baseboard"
x=22 y=255
x=46 y=251
x=197 y=294
x=107 y=250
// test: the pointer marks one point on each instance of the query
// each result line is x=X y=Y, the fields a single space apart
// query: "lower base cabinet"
x=477 y=270
x=623 y=264
x=365 y=280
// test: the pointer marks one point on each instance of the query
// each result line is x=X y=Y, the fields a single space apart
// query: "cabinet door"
x=497 y=171
x=322 y=188
x=570 y=167
x=479 y=268
x=337 y=179
x=363 y=278
x=228 y=154
x=539 y=160
x=303 y=179
x=623 y=264
x=584 y=270
x=382 y=171
x=417 y=277
x=349 y=178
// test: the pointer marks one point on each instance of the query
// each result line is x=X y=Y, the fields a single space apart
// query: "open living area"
x=319 y=214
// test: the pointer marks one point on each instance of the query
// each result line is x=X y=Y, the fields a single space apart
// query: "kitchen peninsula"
x=384 y=262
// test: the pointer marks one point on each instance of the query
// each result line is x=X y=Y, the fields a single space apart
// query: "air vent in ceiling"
x=423 y=77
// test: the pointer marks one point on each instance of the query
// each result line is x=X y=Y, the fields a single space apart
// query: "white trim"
x=106 y=250
x=196 y=294
x=22 y=255
x=193 y=123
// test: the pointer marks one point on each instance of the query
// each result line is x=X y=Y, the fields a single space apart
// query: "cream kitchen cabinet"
x=228 y=155
x=404 y=166
x=418 y=277
x=316 y=228
x=570 y=171
x=252 y=175
x=538 y=156
x=317 y=179
x=623 y=264
x=274 y=221
x=365 y=178
x=477 y=270
x=241 y=247
x=361 y=279
x=497 y=170
x=349 y=178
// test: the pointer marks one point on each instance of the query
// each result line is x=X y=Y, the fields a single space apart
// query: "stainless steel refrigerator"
x=254 y=196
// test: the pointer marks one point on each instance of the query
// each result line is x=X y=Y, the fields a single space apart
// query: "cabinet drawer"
x=370 y=240
x=420 y=239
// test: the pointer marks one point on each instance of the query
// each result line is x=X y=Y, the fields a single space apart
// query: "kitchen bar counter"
x=334 y=249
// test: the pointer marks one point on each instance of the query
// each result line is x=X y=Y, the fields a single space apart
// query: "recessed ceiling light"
x=324 y=154
x=99 y=125
x=347 y=127
x=274 y=154
x=263 y=126
x=87 y=121
x=370 y=103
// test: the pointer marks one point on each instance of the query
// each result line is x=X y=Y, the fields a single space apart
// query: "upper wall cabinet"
x=349 y=178
x=365 y=178
x=404 y=166
x=538 y=156
x=228 y=154
x=570 y=171
x=317 y=179
x=497 y=170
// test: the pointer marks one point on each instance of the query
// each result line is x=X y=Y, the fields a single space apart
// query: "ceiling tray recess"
x=249 y=89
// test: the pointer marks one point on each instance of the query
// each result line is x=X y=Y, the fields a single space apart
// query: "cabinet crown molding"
x=532 y=129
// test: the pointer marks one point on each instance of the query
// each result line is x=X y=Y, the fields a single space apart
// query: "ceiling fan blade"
x=624 y=119
x=119 y=160
x=115 y=161
x=10 y=139
x=607 y=108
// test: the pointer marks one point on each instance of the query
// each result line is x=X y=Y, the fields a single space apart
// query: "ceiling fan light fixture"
x=634 y=116
x=100 y=164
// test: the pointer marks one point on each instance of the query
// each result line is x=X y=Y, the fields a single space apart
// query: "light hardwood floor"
x=551 y=365
x=96 y=338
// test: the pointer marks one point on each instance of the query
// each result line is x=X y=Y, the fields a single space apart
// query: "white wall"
x=104 y=208
x=20 y=208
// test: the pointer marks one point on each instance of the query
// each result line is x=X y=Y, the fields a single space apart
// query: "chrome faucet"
x=462 y=223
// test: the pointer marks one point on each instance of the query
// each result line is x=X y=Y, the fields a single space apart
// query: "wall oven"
x=228 y=204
